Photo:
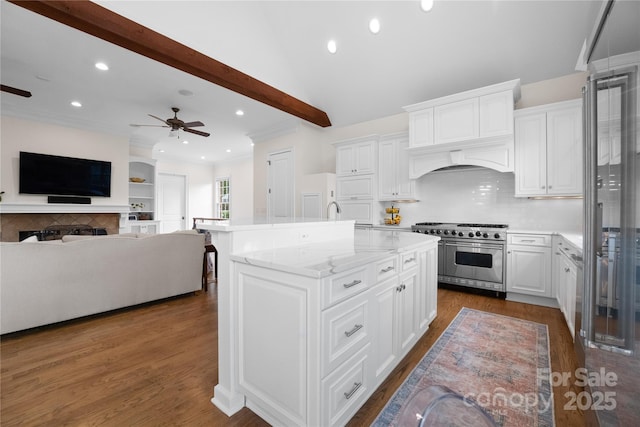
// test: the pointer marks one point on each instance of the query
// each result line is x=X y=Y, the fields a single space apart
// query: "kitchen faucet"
x=338 y=210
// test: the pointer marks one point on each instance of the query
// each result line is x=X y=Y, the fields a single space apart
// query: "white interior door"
x=172 y=202
x=280 y=200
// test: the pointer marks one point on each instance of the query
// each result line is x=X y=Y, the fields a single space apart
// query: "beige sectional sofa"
x=48 y=282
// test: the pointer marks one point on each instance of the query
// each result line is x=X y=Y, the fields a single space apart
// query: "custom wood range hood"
x=472 y=128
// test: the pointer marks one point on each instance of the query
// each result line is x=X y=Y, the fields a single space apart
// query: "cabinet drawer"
x=356 y=187
x=345 y=330
x=386 y=268
x=408 y=260
x=344 y=391
x=530 y=239
x=342 y=286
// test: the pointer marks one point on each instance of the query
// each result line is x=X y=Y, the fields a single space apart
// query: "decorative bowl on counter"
x=136 y=179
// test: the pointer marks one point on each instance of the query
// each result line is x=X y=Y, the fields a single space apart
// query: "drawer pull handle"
x=527 y=240
x=355 y=329
x=409 y=260
x=355 y=282
x=386 y=270
x=353 y=390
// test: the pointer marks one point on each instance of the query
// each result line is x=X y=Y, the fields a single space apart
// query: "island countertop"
x=322 y=259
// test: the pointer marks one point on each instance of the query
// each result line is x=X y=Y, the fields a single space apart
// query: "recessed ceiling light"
x=202 y=157
x=239 y=113
x=185 y=92
x=228 y=150
x=162 y=151
x=426 y=5
x=76 y=104
x=332 y=47
x=253 y=143
x=102 y=66
x=184 y=141
x=374 y=26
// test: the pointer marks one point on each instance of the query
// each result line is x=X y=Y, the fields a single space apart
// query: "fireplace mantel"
x=17 y=208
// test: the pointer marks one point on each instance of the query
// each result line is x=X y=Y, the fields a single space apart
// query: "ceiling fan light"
x=102 y=66
x=77 y=104
x=173 y=132
x=185 y=141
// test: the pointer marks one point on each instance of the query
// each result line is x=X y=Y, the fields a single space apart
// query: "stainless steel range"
x=470 y=255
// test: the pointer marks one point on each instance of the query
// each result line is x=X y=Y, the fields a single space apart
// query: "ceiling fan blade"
x=15 y=91
x=151 y=126
x=158 y=118
x=193 y=124
x=197 y=132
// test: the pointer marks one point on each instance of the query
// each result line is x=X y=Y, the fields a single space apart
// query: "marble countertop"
x=575 y=239
x=319 y=260
x=262 y=223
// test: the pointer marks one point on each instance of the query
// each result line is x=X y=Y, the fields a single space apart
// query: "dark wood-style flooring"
x=156 y=365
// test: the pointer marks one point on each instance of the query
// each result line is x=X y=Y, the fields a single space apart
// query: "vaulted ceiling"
x=458 y=45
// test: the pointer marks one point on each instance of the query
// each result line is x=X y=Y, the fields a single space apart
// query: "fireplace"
x=54 y=225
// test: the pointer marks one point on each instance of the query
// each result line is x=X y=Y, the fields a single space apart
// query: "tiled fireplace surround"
x=12 y=223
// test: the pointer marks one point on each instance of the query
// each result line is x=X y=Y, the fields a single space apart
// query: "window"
x=222 y=197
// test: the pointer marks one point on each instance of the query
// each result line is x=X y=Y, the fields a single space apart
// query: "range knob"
x=485 y=235
x=478 y=233
x=439 y=231
x=471 y=234
x=460 y=234
x=446 y=232
x=497 y=235
x=432 y=231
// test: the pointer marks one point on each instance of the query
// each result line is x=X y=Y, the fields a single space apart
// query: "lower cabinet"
x=565 y=276
x=311 y=351
x=529 y=264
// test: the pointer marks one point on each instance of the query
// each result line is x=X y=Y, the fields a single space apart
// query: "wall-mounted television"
x=65 y=176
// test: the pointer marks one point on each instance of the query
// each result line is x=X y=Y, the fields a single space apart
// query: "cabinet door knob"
x=542 y=187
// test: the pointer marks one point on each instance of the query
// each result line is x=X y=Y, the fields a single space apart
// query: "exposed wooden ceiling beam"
x=107 y=25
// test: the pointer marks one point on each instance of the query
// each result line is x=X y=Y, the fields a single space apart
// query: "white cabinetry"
x=356 y=157
x=142 y=196
x=565 y=277
x=393 y=168
x=548 y=150
x=330 y=341
x=356 y=163
x=480 y=113
x=529 y=264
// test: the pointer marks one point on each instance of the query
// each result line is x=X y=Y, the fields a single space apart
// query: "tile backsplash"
x=486 y=196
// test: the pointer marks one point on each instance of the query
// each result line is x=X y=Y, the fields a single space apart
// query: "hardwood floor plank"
x=157 y=364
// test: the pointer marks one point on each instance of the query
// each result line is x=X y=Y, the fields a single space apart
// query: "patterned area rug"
x=485 y=369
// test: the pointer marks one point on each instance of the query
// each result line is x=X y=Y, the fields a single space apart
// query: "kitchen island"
x=314 y=315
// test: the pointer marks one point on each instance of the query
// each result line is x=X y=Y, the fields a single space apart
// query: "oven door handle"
x=476 y=245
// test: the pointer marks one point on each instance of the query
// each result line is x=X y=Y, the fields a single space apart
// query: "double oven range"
x=470 y=255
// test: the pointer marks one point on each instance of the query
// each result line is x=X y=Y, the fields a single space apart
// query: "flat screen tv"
x=65 y=176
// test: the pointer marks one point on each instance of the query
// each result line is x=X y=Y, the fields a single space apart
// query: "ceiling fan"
x=176 y=124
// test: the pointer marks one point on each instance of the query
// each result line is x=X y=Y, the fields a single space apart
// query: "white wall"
x=240 y=173
x=23 y=135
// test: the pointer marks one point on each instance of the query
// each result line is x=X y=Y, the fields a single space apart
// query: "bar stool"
x=209 y=248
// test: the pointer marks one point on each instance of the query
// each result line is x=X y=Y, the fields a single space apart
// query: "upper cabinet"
x=481 y=113
x=469 y=128
x=393 y=168
x=356 y=157
x=548 y=150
